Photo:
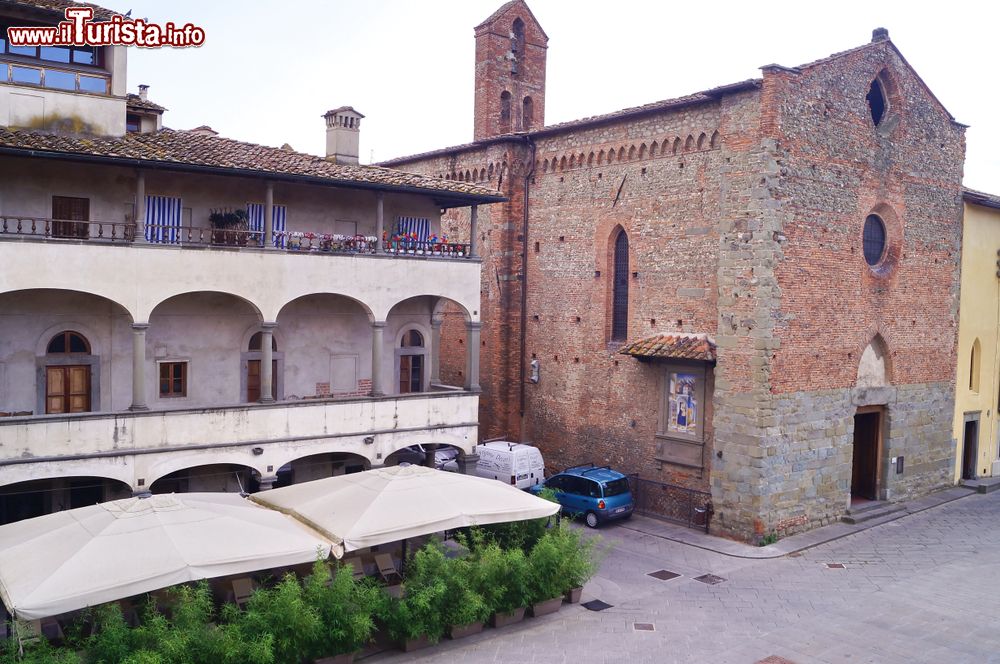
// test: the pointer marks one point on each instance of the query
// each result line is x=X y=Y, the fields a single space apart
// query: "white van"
x=518 y=464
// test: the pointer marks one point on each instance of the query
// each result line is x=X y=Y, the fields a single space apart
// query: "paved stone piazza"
x=922 y=588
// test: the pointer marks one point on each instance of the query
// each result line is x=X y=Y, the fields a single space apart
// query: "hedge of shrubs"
x=329 y=612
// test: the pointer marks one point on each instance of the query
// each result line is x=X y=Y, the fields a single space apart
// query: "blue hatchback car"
x=597 y=492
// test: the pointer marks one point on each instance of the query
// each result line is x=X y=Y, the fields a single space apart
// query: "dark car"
x=596 y=492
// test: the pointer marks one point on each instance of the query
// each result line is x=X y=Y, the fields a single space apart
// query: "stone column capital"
x=140 y=327
x=474 y=325
x=378 y=323
x=268 y=326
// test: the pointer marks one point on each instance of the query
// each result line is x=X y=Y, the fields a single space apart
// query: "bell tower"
x=510 y=72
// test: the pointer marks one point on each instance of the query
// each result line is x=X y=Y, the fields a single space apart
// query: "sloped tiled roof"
x=183 y=150
x=59 y=7
x=677 y=346
x=981 y=198
x=133 y=100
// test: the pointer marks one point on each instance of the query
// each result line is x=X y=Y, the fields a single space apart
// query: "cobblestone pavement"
x=924 y=588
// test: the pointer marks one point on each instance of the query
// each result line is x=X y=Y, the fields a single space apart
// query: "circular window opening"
x=874 y=240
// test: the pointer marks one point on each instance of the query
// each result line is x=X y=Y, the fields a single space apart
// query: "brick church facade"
x=750 y=290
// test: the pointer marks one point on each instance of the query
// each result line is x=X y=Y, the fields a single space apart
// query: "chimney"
x=144 y=92
x=880 y=34
x=343 y=128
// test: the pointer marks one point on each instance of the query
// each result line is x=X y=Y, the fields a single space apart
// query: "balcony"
x=146 y=446
x=123 y=266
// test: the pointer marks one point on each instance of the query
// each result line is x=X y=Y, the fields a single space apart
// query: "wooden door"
x=253 y=380
x=864 y=471
x=67 y=389
x=970 y=450
x=75 y=212
x=411 y=373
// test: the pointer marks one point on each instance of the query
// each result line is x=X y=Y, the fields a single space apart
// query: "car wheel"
x=591 y=520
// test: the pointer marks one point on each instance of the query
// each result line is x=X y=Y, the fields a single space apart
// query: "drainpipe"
x=524 y=278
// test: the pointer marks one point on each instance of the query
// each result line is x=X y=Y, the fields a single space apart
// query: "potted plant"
x=284 y=613
x=465 y=609
x=229 y=227
x=545 y=574
x=578 y=561
x=417 y=619
x=295 y=240
x=346 y=608
x=502 y=580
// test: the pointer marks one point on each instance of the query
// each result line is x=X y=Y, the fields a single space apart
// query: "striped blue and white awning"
x=163 y=219
x=279 y=216
x=419 y=225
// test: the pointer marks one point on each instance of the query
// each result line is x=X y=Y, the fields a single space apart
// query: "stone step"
x=881 y=510
x=983 y=484
x=867 y=506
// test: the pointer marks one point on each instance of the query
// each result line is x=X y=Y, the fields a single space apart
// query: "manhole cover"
x=774 y=659
x=663 y=575
x=596 y=605
x=644 y=627
x=836 y=566
x=710 y=579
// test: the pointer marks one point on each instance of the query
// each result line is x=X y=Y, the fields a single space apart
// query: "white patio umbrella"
x=395 y=503
x=90 y=555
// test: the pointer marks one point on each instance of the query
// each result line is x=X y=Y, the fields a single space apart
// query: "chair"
x=242 y=590
x=357 y=567
x=386 y=568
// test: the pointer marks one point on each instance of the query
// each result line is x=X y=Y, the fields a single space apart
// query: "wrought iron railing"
x=688 y=507
x=226 y=237
x=60 y=229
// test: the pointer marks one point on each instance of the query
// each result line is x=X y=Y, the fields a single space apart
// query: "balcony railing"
x=304 y=241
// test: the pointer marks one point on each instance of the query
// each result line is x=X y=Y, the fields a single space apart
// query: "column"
x=467 y=463
x=430 y=458
x=472 y=356
x=474 y=232
x=266 y=362
x=378 y=327
x=435 y=350
x=266 y=482
x=139 y=366
x=140 y=207
x=269 y=216
x=379 y=222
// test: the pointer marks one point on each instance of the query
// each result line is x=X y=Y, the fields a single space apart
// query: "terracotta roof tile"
x=677 y=346
x=133 y=100
x=59 y=7
x=981 y=198
x=198 y=149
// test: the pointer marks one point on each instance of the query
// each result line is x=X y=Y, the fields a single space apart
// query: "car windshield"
x=615 y=487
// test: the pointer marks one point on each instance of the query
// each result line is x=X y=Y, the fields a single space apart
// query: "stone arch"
x=580 y=159
x=590 y=159
x=874 y=364
x=618 y=282
x=166 y=297
x=653 y=147
x=505 y=112
x=572 y=160
x=306 y=467
x=621 y=153
x=689 y=143
x=545 y=166
x=87 y=332
x=677 y=145
x=562 y=163
x=468 y=176
x=37 y=496
x=527 y=113
x=611 y=155
x=631 y=153
x=600 y=157
x=716 y=138
x=642 y=151
x=225 y=466
x=702 y=141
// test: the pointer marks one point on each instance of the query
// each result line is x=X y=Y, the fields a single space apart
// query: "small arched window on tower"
x=516 y=45
x=527 y=113
x=619 y=295
x=504 y=112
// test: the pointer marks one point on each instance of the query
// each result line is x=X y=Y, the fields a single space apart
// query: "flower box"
x=409 y=645
x=336 y=659
x=462 y=631
x=572 y=595
x=503 y=619
x=546 y=607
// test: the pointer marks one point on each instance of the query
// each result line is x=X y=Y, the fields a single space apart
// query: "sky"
x=269 y=70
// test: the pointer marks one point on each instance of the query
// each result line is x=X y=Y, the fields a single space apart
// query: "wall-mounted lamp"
x=535 y=371
x=257 y=451
x=369 y=440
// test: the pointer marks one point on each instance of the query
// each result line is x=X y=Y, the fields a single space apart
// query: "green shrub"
x=283 y=613
x=501 y=578
x=37 y=652
x=111 y=641
x=578 y=556
x=463 y=605
x=421 y=609
x=345 y=607
x=546 y=575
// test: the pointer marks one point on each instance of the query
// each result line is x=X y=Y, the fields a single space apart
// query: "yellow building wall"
x=979 y=319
